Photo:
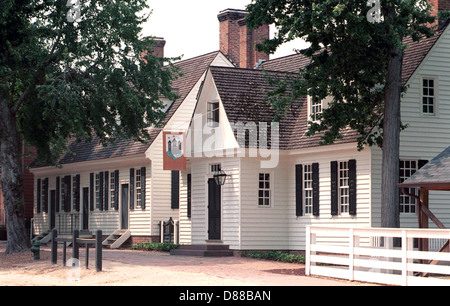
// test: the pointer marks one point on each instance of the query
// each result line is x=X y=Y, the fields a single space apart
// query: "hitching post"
x=98 y=251
x=54 y=246
x=75 y=248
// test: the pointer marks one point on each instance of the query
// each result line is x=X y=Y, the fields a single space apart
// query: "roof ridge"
x=196 y=57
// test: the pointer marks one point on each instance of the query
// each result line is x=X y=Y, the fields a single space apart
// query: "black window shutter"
x=92 y=191
x=175 y=198
x=143 y=181
x=189 y=188
x=334 y=188
x=57 y=195
x=116 y=190
x=101 y=190
x=106 y=185
x=299 y=190
x=77 y=192
x=131 y=188
x=68 y=193
x=352 y=181
x=45 y=195
x=315 y=186
x=38 y=196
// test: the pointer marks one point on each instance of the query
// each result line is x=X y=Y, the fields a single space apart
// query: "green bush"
x=275 y=255
x=154 y=246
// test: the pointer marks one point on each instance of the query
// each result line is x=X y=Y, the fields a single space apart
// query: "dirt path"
x=127 y=267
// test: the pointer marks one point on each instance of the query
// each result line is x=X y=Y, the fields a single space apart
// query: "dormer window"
x=212 y=114
x=315 y=108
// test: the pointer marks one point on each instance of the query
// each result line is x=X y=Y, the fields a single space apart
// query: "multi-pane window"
x=97 y=191
x=112 y=189
x=316 y=109
x=138 y=188
x=264 y=190
x=307 y=189
x=343 y=187
x=63 y=195
x=407 y=168
x=428 y=96
x=74 y=195
x=212 y=114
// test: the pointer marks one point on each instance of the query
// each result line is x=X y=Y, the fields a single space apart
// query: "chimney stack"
x=157 y=47
x=437 y=6
x=238 y=42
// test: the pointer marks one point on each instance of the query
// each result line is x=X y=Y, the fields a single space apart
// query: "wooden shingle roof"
x=244 y=96
x=434 y=175
x=192 y=69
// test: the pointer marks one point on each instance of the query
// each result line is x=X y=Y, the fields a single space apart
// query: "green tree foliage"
x=71 y=68
x=357 y=60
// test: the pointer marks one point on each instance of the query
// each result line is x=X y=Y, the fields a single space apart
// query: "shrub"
x=154 y=246
x=275 y=255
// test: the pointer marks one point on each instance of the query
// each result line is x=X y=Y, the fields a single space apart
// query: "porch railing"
x=379 y=255
x=67 y=222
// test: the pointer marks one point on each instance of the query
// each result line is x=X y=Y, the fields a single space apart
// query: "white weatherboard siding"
x=323 y=156
x=426 y=135
x=107 y=220
x=161 y=187
x=231 y=220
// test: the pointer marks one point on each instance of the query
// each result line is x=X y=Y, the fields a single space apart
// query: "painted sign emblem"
x=174 y=147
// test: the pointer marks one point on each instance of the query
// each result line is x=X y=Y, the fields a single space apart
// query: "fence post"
x=98 y=251
x=75 y=247
x=54 y=246
x=404 y=258
x=308 y=251
x=351 y=255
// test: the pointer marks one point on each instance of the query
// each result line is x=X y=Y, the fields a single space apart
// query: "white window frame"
x=265 y=193
x=112 y=190
x=343 y=187
x=407 y=204
x=427 y=95
x=62 y=195
x=307 y=189
x=211 y=108
x=97 y=190
x=312 y=114
x=138 y=187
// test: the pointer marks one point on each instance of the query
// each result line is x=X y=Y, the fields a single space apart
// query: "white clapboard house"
x=121 y=186
x=267 y=199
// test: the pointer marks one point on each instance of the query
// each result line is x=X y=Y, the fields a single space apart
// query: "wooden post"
x=75 y=246
x=64 y=252
x=98 y=251
x=423 y=218
x=54 y=246
x=87 y=255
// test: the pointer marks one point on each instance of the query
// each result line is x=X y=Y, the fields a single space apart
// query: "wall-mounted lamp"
x=220 y=177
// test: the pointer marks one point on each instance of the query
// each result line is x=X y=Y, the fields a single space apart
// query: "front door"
x=124 y=209
x=52 y=209
x=214 y=210
x=86 y=208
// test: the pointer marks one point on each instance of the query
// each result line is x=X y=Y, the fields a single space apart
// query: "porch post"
x=423 y=218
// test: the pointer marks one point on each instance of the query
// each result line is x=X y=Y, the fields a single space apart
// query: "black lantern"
x=220 y=177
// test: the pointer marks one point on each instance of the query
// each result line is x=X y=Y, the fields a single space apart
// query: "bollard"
x=75 y=246
x=35 y=249
x=54 y=246
x=98 y=251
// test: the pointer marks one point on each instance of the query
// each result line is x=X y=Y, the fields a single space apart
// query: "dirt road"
x=135 y=268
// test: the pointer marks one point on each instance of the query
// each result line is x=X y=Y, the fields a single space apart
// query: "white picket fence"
x=372 y=255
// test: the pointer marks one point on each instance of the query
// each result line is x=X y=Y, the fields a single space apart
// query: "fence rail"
x=391 y=260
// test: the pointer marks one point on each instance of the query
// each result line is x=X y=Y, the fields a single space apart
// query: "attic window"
x=212 y=114
x=428 y=96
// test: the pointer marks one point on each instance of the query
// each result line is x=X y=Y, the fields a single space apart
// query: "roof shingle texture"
x=191 y=69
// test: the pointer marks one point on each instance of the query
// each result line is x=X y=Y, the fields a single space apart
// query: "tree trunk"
x=390 y=210
x=12 y=181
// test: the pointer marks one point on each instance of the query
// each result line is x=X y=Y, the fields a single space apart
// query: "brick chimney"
x=157 y=47
x=439 y=5
x=238 y=42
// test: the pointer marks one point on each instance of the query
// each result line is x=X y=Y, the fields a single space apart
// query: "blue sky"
x=191 y=28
